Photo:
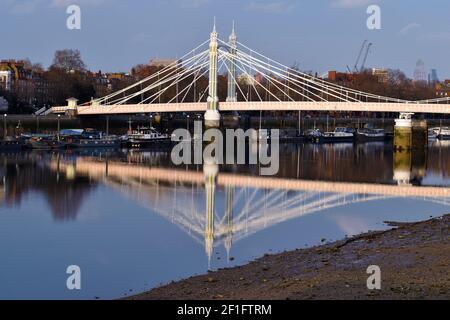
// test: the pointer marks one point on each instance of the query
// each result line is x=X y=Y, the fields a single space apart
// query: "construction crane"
x=365 y=57
x=355 y=68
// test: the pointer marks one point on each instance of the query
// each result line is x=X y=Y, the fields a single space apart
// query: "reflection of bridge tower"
x=229 y=193
x=231 y=96
x=210 y=171
x=212 y=116
x=410 y=166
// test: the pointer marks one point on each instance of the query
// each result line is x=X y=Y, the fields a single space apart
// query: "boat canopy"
x=71 y=132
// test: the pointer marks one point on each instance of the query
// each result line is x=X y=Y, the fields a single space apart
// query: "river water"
x=131 y=221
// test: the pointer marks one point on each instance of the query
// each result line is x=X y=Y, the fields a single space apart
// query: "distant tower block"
x=231 y=96
x=419 y=72
x=212 y=116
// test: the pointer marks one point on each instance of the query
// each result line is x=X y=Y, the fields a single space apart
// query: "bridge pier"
x=410 y=134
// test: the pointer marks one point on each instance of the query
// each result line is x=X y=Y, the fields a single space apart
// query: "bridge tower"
x=212 y=116
x=231 y=96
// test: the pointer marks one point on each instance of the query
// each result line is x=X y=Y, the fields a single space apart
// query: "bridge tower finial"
x=212 y=116
x=232 y=41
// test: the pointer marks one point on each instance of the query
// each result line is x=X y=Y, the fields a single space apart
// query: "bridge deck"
x=265 y=106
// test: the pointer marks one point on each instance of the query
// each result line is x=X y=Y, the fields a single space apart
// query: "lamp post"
x=187 y=122
x=107 y=126
x=59 y=117
x=5 y=129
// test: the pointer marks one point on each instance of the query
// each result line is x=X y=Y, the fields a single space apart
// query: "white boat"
x=340 y=134
x=144 y=136
x=405 y=120
x=433 y=133
x=444 y=133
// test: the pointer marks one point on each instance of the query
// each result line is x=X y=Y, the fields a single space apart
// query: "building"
x=442 y=89
x=381 y=74
x=259 y=78
x=341 y=77
x=29 y=86
x=3 y=105
x=18 y=79
x=246 y=79
x=419 y=72
x=5 y=80
x=433 y=77
x=164 y=62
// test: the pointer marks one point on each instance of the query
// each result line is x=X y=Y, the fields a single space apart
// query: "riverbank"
x=414 y=259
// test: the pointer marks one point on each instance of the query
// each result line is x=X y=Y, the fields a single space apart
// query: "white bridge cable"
x=322 y=82
x=271 y=79
x=288 y=79
x=172 y=65
x=195 y=79
x=176 y=79
x=306 y=82
x=172 y=76
x=242 y=68
x=316 y=81
x=436 y=100
x=268 y=77
x=234 y=79
x=155 y=75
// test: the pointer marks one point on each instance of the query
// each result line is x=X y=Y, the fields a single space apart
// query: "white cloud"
x=409 y=27
x=271 y=7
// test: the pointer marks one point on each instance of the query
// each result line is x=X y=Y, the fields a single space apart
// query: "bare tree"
x=68 y=60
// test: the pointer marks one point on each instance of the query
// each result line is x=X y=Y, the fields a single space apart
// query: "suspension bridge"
x=278 y=87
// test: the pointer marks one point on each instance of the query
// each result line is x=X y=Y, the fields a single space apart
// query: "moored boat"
x=368 y=134
x=313 y=135
x=42 y=143
x=109 y=142
x=145 y=136
x=340 y=134
x=444 y=133
x=10 y=145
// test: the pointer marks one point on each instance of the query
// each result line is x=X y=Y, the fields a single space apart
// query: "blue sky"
x=319 y=34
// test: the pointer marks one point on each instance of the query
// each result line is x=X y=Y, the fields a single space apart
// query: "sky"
x=320 y=35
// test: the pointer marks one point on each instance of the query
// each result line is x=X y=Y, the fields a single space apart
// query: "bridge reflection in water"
x=217 y=208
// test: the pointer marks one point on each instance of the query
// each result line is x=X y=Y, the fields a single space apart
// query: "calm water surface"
x=131 y=221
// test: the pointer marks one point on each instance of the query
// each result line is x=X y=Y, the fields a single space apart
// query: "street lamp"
x=5 y=129
x=187 y=122
x=59 y=116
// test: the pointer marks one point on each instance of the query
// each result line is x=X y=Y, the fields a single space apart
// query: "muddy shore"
x=414 y=259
